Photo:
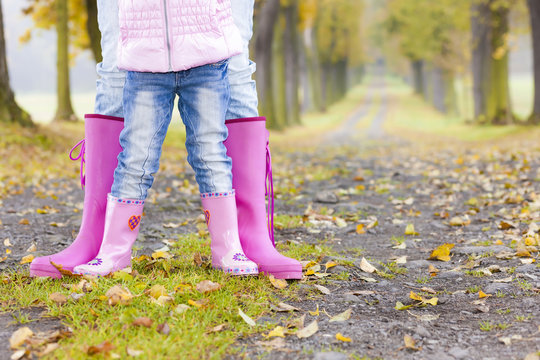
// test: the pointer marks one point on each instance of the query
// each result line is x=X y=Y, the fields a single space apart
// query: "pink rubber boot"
x=247 y=146
x=122 y=221
x=227 y=255
x=99 y=151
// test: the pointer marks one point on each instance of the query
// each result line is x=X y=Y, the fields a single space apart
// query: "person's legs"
x=204 y=98
x=110 y=83
x=243 y=102
x=148 y=104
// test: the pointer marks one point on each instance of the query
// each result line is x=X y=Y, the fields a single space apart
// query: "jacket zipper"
x=167 y=32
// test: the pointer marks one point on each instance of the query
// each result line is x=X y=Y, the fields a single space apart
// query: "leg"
x=110 y=84
x=148 y=103
x=243 y=91
x=204 y=98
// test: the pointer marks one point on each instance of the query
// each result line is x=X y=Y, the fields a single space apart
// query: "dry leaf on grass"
x=246 y=318
x=133 y=353
x=207 y=286
x=278 y=283
x=143 y=321
x=58 y=298
x=308 y=331
x=26 y=259
x=102 y=348
x=163 y=328
x=118 y=295
x=217 y=328
x=157 y=290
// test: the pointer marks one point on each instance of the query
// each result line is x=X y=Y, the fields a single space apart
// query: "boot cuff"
x=125 y=201
x=217 y=195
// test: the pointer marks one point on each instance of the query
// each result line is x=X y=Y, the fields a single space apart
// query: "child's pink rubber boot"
x=122 y=221
x=227 y=255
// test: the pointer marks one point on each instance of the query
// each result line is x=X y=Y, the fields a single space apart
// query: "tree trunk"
x=427 y=77
x=341 y=82
x=9 y=110
x=263 y=55
x=93 y=29
x=439 y=89
x=418 y=76
x=534 y=11
x=64 y=110
x=314 y=70
x=490 y=63
x=292 y=68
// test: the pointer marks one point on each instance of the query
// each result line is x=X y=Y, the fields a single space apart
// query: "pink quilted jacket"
x=174 y=35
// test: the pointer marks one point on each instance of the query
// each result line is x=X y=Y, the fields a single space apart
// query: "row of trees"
x=444 y=38
x=308 y=53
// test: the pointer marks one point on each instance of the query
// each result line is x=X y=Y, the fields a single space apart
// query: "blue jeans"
x=148 y=104
x=111 y=80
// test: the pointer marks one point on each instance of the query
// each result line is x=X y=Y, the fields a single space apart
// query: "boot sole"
x=290 y=275
x=37 y=272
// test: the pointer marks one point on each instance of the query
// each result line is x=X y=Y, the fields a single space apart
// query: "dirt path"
x=360 y=201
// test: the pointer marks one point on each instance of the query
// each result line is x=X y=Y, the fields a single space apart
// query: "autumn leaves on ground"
x=421 y=243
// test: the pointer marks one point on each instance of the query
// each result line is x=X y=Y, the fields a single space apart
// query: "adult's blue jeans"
x=110 y=84
x=148 y=104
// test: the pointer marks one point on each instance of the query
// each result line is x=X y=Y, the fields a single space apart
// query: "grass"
x=93 y=320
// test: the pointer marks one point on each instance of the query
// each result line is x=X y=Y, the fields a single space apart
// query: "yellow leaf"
x=433 y=270
x=442 y=252
x=278 y=283
x=330 y=264
x=24 y=222
x=342 y=338
x=360 y=229
x=499 y=242
x=415 y=296
x=410 y=343
x=433 y=301
x=157 y=290
x=409 y=230
x=400 y=306
x=482 y=294
x=19 y=337
x=344 y=316
x=27 y=259
x=118 y=295
x=316 y=312
x=278 y=331
x=161 y=255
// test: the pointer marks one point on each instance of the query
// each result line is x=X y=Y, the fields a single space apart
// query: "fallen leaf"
x=181 y=308
x=102 y=348
x=199 y=303
x=360 y=229
x=316 y=312
x=19 y=337
x=441 y=253
x=64 y=272
x=278 y=283
x=401 y=260
x=246 y=318
x=58 y=298
x=19 y=354
x=410 y=343
x=118 y=295
x=361 y=292
x=143 y=321
x=163 y=328
x=7 y=242
x=342 y=338
x=330 y=264
x=322 y=289
x=24 y=222
x=217 y=328
x=366 y=266
x=308 y=331
x=400 y=306
x=505 y=225
x=344 y=316
x=207 y=286
x=297 y=323
x=27 y=259
x=409 y=230
x=278 y=331
x=283 y=307
x=482 y=294
x=161 y=255
x=133 y=352
x=157 y=290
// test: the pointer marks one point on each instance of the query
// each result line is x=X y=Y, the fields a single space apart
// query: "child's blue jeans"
x=148 y=102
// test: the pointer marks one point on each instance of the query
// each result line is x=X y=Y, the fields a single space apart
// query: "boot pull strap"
x=81 y=157
x=269 y=182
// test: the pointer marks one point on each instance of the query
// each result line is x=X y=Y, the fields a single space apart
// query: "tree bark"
x=418 y=76
x=64 y=110
x=263 y=55
x=490 y=63
x=9 y=109
x=292 y=68
x=534 y=12
x=93 y=29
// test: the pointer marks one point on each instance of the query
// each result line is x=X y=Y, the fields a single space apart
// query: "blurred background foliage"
x=454 y=54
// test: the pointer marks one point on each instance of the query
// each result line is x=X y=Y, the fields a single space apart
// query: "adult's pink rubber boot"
x=99 y=152
x=227 y=254
x=122 y=221
x=248 y=147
